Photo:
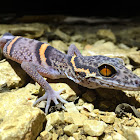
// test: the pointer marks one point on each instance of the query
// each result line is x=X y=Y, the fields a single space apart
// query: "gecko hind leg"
x=50 y=94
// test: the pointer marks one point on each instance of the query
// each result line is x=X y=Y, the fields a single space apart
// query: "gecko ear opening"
x=107 y=70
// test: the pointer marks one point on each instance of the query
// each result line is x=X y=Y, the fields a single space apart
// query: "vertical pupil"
x=107 y=70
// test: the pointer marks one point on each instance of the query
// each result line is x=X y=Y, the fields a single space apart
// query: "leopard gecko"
x=39 y=59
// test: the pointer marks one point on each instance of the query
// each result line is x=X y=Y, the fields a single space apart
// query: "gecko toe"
x=60 y=91
x=43 y=98
x=47 y=106
x=51 y=96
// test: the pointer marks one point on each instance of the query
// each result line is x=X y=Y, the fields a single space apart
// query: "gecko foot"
x=51 y=95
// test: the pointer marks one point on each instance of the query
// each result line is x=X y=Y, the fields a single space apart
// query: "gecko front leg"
x=33 y=71
x=73 y=51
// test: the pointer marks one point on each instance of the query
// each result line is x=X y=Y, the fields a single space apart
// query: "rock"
x=69 y=93
x=132 y=32
x=60 y=45
x=19 y=120
x=106 y=33
x=104 y=105
x=70 y=129
x=117 y=136
x=129 y=67
x=109 y=117
x=111 y=50
x=108 y=137
x=9 y=77
x=77 y=37
x=134 y=55
x=92 y=138
x=71 y=138
x=92 y=114
x=62 y=35
x=131 y=132
x=107 y=94
x=31 y=30
x=80 y=46
x=73 y=115
x=81 y=101
x=135 y=94
x=71 y=108
x=94 y=127
x=137 y=71
x=76 y=118
x=123 y=46
x=45 y=135
x=77 y=135
x=55 y=118
x=108 y=45
x=131 y=122
x=90 y=38
x=68 y=118
x=89 y=95
x=88 y=107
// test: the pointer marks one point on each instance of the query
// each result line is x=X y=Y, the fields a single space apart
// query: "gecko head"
x=4 y=39
x=101 y=71
x=112 y=73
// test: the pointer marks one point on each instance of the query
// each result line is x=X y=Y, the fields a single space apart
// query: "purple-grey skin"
x=40 y=60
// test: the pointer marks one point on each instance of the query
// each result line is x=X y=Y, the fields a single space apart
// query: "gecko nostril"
x=136 y=82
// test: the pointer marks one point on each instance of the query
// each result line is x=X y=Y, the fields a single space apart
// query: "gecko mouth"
x=116 y=85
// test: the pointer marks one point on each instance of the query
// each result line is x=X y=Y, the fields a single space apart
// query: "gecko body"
x=40 y=60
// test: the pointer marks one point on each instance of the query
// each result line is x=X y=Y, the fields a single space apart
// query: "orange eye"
x=107 y=70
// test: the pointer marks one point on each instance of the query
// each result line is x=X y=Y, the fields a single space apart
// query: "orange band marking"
x=86 y=71
x=11 y=44
x=78 y=69
x=42 y=52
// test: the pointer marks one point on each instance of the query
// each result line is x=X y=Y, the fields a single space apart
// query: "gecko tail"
x=4 y=39
x=8 y=36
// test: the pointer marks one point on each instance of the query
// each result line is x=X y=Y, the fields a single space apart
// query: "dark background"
x=72 y=8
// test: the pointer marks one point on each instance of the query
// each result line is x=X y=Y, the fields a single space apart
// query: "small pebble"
x=94 y=127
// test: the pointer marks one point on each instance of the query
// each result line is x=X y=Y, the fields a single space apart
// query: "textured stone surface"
x=106 y=33
x=118 y=136
x=76 y=118
x=89 y=95
x=9 y=77
x=131 y=132
x=88 y=104
x=108 y=117
x=55 y=118
x=70 y=129
x=92 y=138
x=19 y=120
x=60 y=45
x=94 y=127
x=68 y=93
x=71 y=108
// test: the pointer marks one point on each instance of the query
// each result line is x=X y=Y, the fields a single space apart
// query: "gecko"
x=39 y=59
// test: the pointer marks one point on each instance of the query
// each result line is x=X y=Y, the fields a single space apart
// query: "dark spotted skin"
x=40 y=59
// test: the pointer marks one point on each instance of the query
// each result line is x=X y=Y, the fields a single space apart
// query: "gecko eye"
x=107 y=70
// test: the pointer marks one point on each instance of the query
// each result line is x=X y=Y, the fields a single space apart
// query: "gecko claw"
x=51 y=96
